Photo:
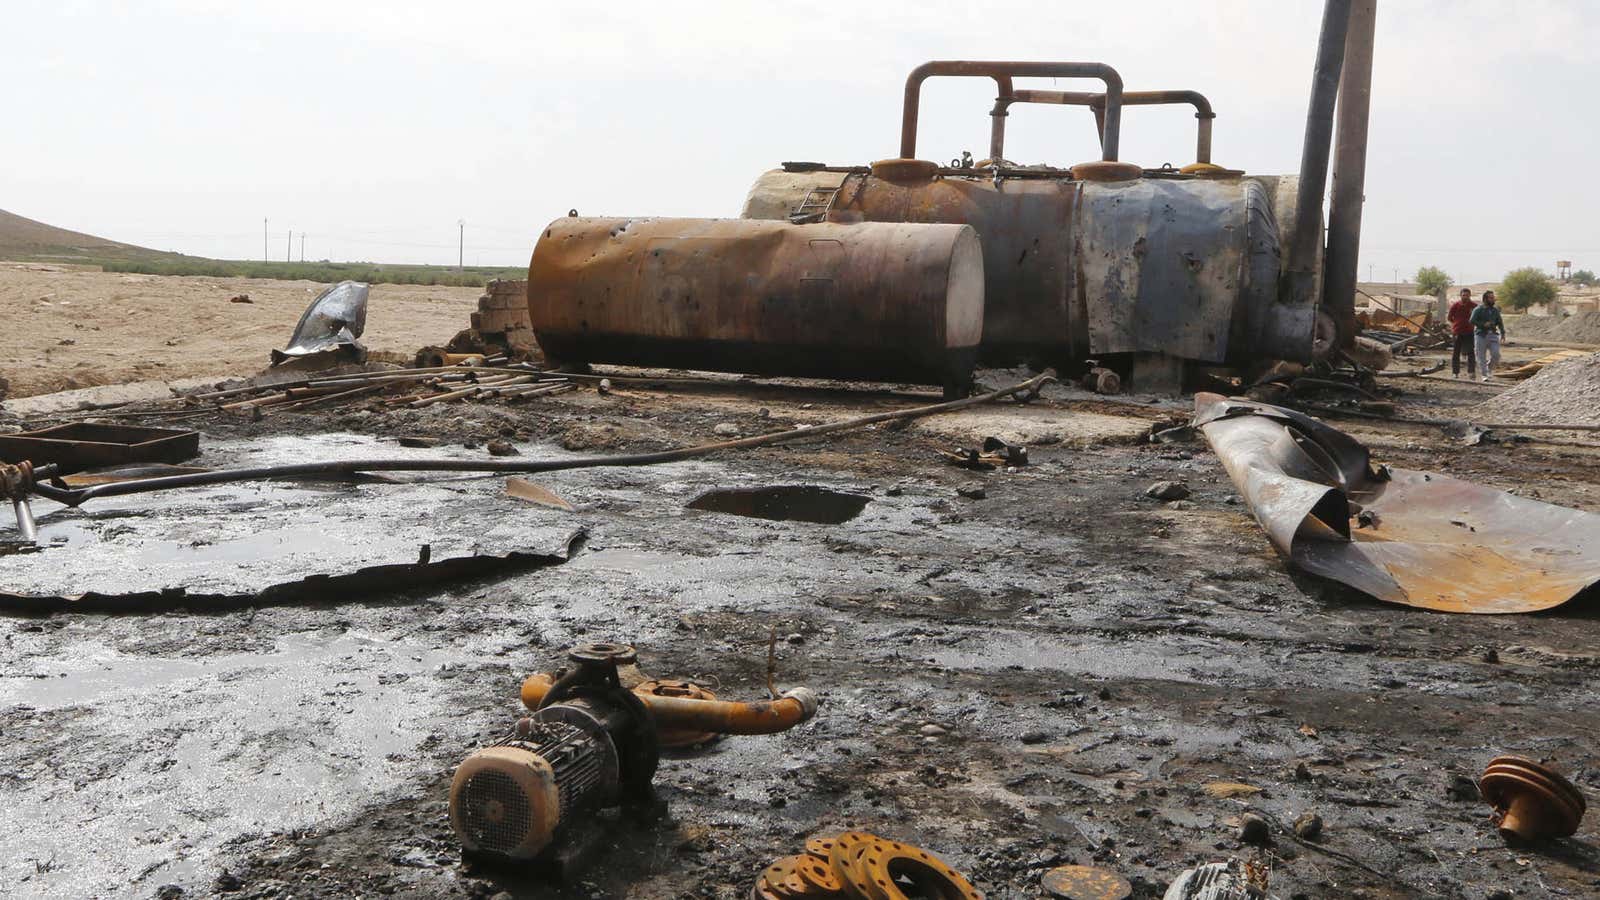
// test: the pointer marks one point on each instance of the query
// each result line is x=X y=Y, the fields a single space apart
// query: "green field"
x=371 y=273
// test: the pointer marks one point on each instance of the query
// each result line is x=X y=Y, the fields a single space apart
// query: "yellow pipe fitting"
x=720 y=716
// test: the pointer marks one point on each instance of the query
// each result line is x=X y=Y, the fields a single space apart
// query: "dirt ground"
x=1052 y=669
x=72 y=328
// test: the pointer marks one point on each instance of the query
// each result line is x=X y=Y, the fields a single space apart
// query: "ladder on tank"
x=815 y=206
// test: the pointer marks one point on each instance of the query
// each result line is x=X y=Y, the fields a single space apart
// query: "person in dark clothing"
x=1461 y=332
x=1487 y=331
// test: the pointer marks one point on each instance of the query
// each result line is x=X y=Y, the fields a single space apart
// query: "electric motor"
x=591 y=745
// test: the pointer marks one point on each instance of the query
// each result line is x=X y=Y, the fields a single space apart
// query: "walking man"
x=1461 y=330
x=1488 y=329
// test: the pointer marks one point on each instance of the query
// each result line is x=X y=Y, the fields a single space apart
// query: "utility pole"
x=263 y=239
x=302 y=246
x=461 y=244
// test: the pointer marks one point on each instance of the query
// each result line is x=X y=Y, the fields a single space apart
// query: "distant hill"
x=24 y=239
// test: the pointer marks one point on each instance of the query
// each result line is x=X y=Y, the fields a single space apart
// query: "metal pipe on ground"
x=75 y=497
x=691 y=714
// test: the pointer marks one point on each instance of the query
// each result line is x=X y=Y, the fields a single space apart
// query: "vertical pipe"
x=1349 y=173
x=1299 y=274
x=27 y=530
x=1202 y=144
x=997 y=125
x=1111 y=119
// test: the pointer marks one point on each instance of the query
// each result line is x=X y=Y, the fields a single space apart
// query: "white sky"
x=374 y=127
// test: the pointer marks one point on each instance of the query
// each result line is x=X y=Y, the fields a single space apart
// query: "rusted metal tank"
x=1107 y=258
x=880 y=301
x=1185 y=266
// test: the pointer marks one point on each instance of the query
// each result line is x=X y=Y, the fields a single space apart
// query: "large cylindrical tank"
x=1161 y=263
x=877 y=301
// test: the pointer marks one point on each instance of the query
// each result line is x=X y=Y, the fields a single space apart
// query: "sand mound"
x=1582 y=328
x=1562 y=393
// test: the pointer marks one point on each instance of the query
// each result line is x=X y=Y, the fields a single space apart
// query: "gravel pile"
x=1581 y=328
x=1565 y=392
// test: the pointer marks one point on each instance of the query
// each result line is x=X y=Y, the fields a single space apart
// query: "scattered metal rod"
x=358 y=377
x=463 y=392
x=1331 y=385
x=529 y=390
x=343 y=395
x=1438 y=367
x=77 y=496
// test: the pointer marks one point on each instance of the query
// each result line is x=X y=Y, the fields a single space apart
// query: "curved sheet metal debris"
x=333 y=321
x=1416 y=538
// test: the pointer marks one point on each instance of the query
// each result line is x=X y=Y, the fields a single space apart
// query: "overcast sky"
x=374 y=127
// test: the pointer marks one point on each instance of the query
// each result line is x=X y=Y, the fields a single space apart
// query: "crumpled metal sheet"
x=1416 y=538
x=334 y=320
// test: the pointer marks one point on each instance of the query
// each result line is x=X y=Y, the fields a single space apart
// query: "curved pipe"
x=998 y=70
x=721 y=716
x=1097 y=102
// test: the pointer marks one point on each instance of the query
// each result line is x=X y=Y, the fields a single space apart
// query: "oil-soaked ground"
x=1050 y=670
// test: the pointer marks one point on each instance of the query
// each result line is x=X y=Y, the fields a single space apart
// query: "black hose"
x=77 y=496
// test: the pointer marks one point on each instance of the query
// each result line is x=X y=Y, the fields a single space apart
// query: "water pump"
x=591 y=745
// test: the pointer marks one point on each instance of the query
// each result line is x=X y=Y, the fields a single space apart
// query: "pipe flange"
x=905 y=169
x=1531 y=801
x=603 y=653
x=1210 y=170
x=1106 y=170
x=885 y=862
x=16 y=480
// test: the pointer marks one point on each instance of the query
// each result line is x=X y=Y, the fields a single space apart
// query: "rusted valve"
x=1531 y=802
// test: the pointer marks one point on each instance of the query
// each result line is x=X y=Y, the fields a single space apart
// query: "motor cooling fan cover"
x=504 y=801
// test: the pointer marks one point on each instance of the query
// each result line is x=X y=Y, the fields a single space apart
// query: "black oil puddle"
x=785 y=503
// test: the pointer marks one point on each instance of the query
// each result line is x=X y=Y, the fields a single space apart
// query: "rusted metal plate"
x=1414 y=538
x=86 y=445
x=1086 y=883
x=889 y=301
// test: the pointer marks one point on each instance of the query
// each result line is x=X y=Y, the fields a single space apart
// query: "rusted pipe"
x=689 y=714
x=997 y=70
x=1340 y=268
x=997 y=122
x=1097 y=102
x=1300 y=269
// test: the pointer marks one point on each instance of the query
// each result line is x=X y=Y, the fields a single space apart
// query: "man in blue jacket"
x=1487 y=330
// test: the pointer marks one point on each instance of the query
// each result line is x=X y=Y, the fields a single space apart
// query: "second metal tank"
x=874 y=301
